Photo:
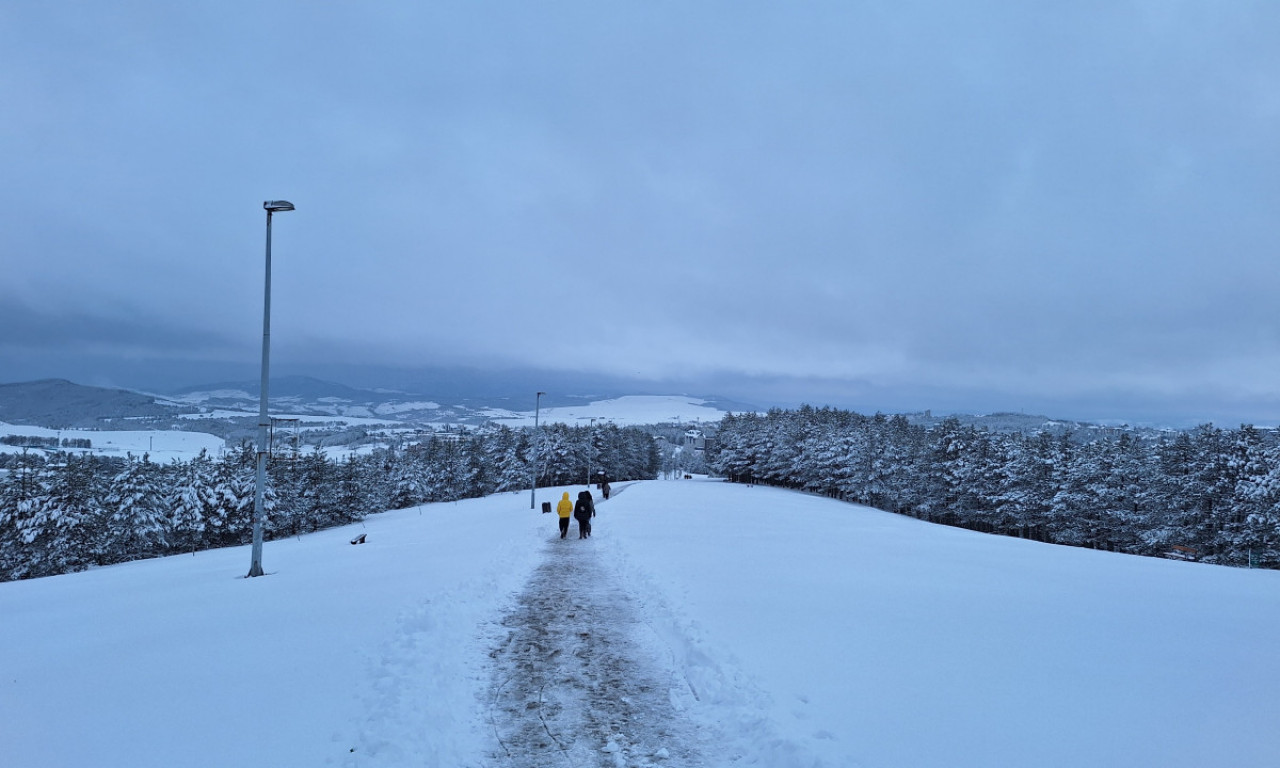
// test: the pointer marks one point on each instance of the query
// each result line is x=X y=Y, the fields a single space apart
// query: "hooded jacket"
x=585 y=509
x=565 y=507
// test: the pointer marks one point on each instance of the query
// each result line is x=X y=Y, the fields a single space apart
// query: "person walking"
x=564 y=509
x=583 y=511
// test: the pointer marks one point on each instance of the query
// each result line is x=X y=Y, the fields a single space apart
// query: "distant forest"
x=67 y=511
x=1209 y=494
x=30 y=441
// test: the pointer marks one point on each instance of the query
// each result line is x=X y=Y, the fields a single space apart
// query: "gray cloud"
x=980 y=203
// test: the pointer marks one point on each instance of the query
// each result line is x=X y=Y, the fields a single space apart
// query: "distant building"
x=693 y=438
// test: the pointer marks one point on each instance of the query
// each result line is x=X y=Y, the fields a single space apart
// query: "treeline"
x=30 y=441
x=66 y=511
x=1210 y=493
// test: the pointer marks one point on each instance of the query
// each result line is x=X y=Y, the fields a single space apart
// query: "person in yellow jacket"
x=564 y=509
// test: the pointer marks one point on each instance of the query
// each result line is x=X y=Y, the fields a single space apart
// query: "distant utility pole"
x=24 y=496
x=537 y=437
x=591 y=448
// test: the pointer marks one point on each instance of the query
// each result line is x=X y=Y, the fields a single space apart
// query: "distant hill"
x=61 y=404
x=307 y=396
x=292 y=387
x=229 y=409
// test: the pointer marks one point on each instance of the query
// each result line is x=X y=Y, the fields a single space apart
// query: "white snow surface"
x=162 y=445
x=716 y=625
x=306 y=418
x=623 y=411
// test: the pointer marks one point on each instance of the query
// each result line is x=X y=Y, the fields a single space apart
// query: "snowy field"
x=703 y=624
x=622 y=411
x=339 y=409
x=308 y=418
x=163 y=445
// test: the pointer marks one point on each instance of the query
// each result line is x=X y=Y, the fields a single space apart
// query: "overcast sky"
x=1070 y=208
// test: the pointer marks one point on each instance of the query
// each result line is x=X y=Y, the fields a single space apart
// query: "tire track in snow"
x=571 y=685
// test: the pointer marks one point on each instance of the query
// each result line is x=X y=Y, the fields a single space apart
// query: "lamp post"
x=533 y=485
x=264 y=423
x=23 y=485
x=591 y=448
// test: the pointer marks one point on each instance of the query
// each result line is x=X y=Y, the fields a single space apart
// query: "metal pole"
x=533 y=485
x=24 y=473
x=255 y=564
x=591 y=448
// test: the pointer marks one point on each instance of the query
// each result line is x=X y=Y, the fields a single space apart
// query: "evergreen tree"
x=314 y=492
x=1259 y=538
x=506 y=452
x=10 y=543
x=409 y=478
x=1245 y=527
x=902 y=457
x=229 y=519
x=1173 y=497
x=139 y=525
x=191 y=503
x=1032 y=479
x=59 y=524
x=354 y=496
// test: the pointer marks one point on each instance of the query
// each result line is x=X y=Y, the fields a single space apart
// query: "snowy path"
x=574 y=682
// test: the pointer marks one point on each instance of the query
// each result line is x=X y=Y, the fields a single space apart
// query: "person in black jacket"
x=583 y=511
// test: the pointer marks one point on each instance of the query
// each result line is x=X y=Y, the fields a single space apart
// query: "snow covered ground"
x=163 y=445
x=352 y=421
x=622 y=411
x=703 y=624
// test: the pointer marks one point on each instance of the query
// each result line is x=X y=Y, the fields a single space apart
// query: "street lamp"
x=533 y=486
x=23 y=484
x=264 y=423
x=591 y=448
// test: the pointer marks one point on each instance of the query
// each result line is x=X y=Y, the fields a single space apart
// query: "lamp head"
x=277 y=205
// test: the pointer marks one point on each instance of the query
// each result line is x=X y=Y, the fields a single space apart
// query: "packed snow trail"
x=572 y=686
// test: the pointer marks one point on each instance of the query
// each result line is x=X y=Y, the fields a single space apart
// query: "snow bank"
x=887 y=641
x=181 y=661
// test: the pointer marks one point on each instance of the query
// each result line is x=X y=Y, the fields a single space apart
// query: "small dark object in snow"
x=359 y=539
